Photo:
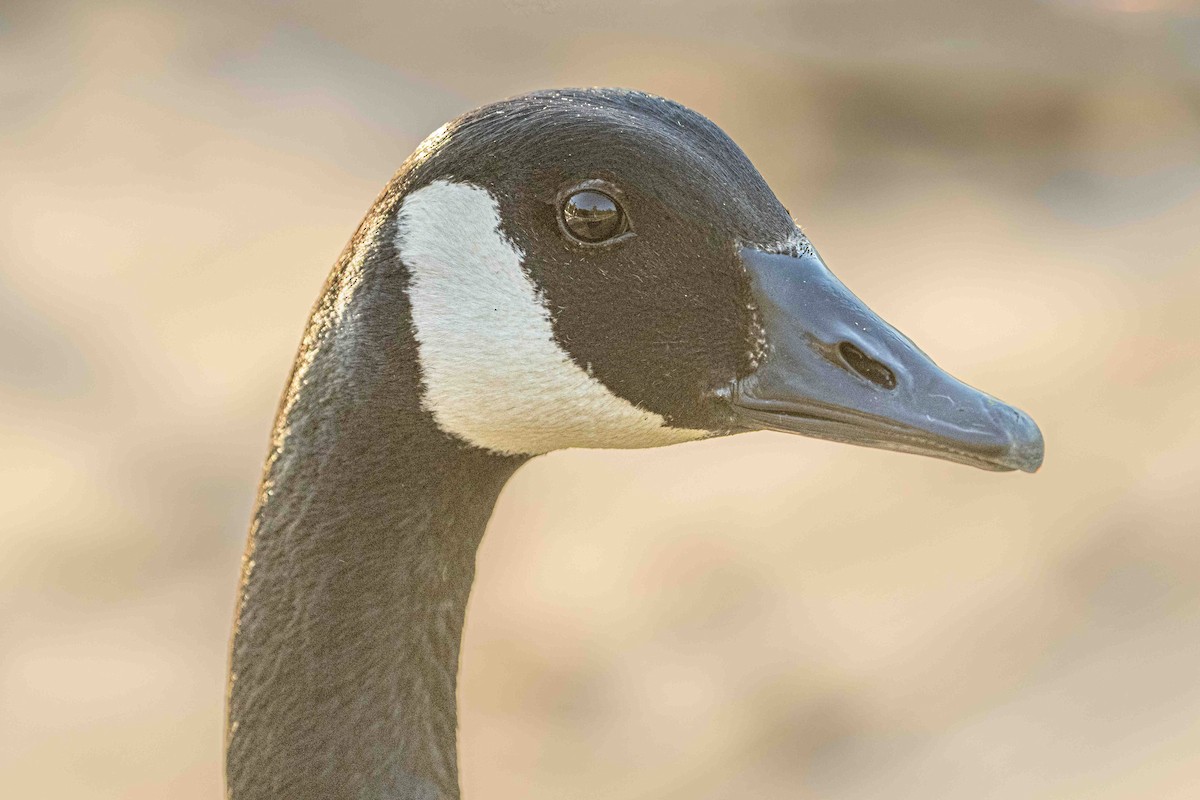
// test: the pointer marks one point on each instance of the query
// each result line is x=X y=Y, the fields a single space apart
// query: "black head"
x=669 y=276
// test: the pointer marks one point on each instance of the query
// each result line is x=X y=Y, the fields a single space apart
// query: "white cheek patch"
x=493 y=374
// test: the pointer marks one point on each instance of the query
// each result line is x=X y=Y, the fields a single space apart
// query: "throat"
x=355 y=584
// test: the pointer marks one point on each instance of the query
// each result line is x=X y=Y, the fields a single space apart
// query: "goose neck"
x=355 y=584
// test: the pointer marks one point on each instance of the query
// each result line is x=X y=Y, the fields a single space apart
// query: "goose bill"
x=835 y=370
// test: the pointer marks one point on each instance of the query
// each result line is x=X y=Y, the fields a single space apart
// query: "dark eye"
x=593 y=217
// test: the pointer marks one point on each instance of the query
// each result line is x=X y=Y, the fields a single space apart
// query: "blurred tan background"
x=1014 y=184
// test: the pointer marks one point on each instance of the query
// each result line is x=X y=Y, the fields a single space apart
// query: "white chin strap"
x=493 y=373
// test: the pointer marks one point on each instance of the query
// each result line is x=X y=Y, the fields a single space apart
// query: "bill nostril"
x=866 y=366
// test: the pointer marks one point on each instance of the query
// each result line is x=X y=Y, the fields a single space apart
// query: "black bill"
x=834 y=370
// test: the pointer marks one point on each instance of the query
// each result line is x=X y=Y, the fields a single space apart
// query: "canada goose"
x=577 y=268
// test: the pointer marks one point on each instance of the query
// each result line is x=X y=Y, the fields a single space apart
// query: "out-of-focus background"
x=1014 y=184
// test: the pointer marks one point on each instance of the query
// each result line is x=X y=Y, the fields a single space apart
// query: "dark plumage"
x=361 y=551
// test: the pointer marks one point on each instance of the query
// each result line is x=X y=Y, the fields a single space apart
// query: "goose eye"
x=593 y=217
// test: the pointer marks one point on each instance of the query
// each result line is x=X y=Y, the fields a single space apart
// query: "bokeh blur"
x=1014 y=184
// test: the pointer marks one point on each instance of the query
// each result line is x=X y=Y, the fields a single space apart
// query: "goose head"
x=606 y=268
x=586 y=268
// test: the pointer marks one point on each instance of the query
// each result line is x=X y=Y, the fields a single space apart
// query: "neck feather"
x=358 y=568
